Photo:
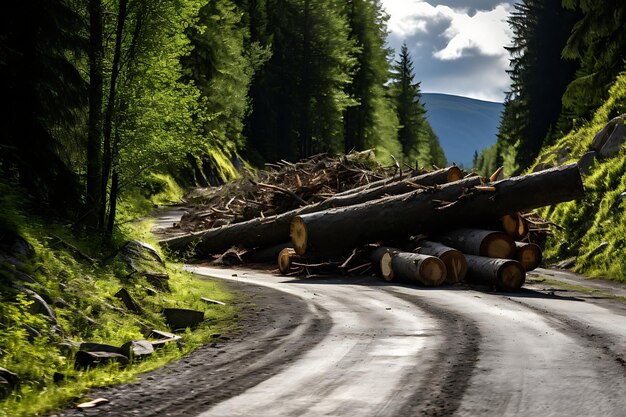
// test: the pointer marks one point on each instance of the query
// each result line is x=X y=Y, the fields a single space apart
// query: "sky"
x=457 y=46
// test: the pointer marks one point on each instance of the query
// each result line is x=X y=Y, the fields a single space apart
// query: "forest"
x=108 y=97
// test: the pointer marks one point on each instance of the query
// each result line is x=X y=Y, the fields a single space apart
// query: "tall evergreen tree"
x=539 y=77
x=371 y=121
x=44 y=95
x=419 y=142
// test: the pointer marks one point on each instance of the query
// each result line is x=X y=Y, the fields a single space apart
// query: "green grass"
x=94 y=313
x=601 y=215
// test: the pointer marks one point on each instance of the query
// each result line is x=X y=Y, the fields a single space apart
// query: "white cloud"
x=486 y=31
x=456 y=50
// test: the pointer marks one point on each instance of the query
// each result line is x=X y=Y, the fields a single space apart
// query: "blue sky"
x=457 y=46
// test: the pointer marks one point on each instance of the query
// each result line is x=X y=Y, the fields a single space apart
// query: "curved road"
x=391 y=350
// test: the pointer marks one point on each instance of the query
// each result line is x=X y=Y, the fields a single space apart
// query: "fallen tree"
x=446 y=207
x=274 y=230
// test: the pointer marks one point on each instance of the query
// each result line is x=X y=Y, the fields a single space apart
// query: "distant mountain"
x=463 y=125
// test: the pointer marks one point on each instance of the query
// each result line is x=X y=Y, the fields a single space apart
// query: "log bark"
x=480 y=243
x=528 y=254
x=453 y=259
x=267 y=254
x=504 y=274
x=274 y=230
x=413 y=267
x=440 y=176
x=339 y=230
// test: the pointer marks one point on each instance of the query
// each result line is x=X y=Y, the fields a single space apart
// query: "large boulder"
x=137 y=349
x=180 y=318
x=144 y=260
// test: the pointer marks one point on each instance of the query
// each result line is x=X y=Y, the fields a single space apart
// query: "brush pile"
x=335 y=215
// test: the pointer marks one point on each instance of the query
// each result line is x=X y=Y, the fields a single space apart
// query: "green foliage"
x=94 y=314
x=419 y=142
x=599 y=217
x=539 y=77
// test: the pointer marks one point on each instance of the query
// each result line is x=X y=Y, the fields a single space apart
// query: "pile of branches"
x=281 y=187
x=430 y=228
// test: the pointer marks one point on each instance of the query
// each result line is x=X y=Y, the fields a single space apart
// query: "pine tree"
x=539 y=77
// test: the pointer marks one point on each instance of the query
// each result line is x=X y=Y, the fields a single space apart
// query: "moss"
x=600 y=216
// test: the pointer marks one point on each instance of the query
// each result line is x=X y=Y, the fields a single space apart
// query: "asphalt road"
x=388 y=350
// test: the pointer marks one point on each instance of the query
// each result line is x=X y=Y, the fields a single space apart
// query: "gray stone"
x=164 y=338
x=615 y=141
x=604 y=134
x=32 y=332
x=140 y=255
x=566 y=264
x=137 y=349
x=158 y=279
x=84 y=360
x=15 y=245
x=128 y=301
x=99 y=347
x=61 y=303
x=68 y=347
x=599 y=249
x=622 y=196
x=180 y=318
x=586 y=162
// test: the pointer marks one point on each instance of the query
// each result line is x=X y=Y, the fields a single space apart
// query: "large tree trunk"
x=480 y=242
x=453 y=259
x=94 y=134
x=413 y=267
x=339 y=230
x=528 y=254
x=274 y=230
x=504 y=274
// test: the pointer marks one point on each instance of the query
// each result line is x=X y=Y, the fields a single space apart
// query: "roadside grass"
x=601 y=216
x=81 y=291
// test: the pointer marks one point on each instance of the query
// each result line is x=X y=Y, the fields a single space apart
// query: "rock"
x=99 y=347
x=158 y=280
x=599 y=249
x=32 y=332
x=58 y=377
x=15 y=245
x=8 y=380
x=137 y=349
x=586 y=162
x=209 y=301
x=68 y=347
x=61 y=303
x=615 y=140
x=163 y=338
x=127 y=300
x=84 y=360
x=92 y=403
x=566 y=264
x=144 y=260
x=180 y=318
x=602 y=137
x=622 y=196
x=39 y=305
x=542 y=167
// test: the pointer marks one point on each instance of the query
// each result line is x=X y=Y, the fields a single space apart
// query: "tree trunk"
x=454 y=260
x=284 y=260
x=274 y=230
x=94 y=134
x=504 y=274
x=407 y=185
x=340 y=230
x=110 y=108
x=528 y=254
x=413 y=267
x=480 y=243
x=268 y=254
x=376 y=257
x=440 y=176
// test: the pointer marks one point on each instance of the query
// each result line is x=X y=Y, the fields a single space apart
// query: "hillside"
x=463 y=125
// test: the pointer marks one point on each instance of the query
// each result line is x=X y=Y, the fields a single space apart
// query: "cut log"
x=453 y=259
x=339 y=230
x=412 y=267
x=273 y=230
x=480 y=243
x=284 y=260
x=528 y=254
x=376 y=256
x=515 y=226
x=504 y=274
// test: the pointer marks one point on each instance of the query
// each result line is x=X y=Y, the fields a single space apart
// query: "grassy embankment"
x=92 y=312
x=601 y=216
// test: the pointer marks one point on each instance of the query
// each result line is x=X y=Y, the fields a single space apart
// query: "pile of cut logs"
x=430 y=228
